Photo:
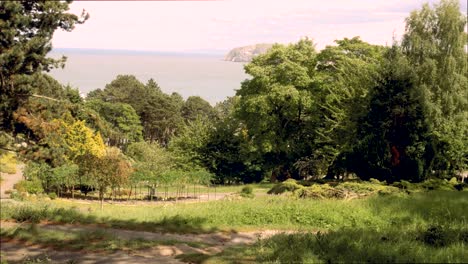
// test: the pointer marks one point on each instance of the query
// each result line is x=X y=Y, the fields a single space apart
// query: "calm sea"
x=187 y=74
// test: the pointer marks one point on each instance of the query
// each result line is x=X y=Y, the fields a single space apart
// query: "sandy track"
x=216 y=242
x=9 y=181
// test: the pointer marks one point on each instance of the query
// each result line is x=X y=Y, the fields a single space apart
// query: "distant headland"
x=246 y=53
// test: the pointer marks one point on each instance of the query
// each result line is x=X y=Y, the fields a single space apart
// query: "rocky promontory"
x=246 y=53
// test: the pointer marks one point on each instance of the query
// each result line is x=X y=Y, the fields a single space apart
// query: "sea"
x=189 y=74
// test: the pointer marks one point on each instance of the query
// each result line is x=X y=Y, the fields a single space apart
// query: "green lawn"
x=212 y=191
x=262 y=212
x=420 y=227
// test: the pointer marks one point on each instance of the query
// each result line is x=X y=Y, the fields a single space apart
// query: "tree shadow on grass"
x=436 y=207
x=346 y=245
x=173 y=224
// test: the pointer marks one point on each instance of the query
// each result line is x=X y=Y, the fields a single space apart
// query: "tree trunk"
x=101 y=197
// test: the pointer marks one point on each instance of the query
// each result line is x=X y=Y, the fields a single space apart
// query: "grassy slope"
x=421 y=227
x=271 y=212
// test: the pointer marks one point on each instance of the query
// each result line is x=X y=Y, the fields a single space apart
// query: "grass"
x=349 y=245
x=271 y=212
x=163 y=192
x=91 y=241
x=427 y=226
x=8 y=163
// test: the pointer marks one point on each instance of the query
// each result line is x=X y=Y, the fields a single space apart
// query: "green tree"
x=159 y=113
x=394 y=135
x=346 y=73
x=122 y=118
x=435 y=43
x=151 y=161
x=276 y=104
x=186 y=147
x=109 y=170
x=226 y=152
x=194 y=107
x=26 y=30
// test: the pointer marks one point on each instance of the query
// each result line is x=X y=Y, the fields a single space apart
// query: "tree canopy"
x=26 y=30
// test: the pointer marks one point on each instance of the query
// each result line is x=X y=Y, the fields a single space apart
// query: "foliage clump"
x=337 y=190
x=289 y=185
x=247 y=192
x=8 y=163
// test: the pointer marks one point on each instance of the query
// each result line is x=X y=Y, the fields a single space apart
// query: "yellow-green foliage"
x=33 y=186
x=289 y=185
x=81 y=140
x=320 y=191
x=334 y=190
x=8 y=163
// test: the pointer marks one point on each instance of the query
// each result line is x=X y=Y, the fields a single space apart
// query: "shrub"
x=33 y=186
x=437 y=184
x=289 y=185
x=30 y=214
x=52 y=195
x=320 y=191
x=460 y=186
x=18 y=196
x=435 y=236
x=247 y=192
x=405 y=185
x=8 y=163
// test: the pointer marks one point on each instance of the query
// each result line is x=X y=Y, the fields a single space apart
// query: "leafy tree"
x=65 y=176
x=277 y=103
x=346 y=73
x=186 y=147
x=122 y=118
x=44 y=121
x=151 y=161
x=394 y=135
x=159 y=113
x=81 y=141
x=123 y=89
x=226 y=153
x=109 y=170
x=26 y=30
x=161 y=118
x=194 y=107
x=435 y=43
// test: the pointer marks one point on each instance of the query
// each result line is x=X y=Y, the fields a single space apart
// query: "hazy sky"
x=222 y=25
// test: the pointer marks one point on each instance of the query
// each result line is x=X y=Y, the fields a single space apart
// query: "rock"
x=246 y=53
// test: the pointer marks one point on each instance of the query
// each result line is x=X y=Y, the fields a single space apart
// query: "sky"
x=210 y=26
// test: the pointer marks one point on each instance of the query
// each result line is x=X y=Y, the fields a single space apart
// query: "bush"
x=437 y=184
x=33 y=186
x=460 y=186
x=435 y=236
x=320 y=191
x=30 y=214
x=247 y=192
x=52 y=195
x=18 y=196
x=8 y=163
x=289 y=185
x=405 y=185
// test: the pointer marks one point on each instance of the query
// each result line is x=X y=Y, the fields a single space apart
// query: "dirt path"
x=216 y=242
x=19 y=253
x=9 y=180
